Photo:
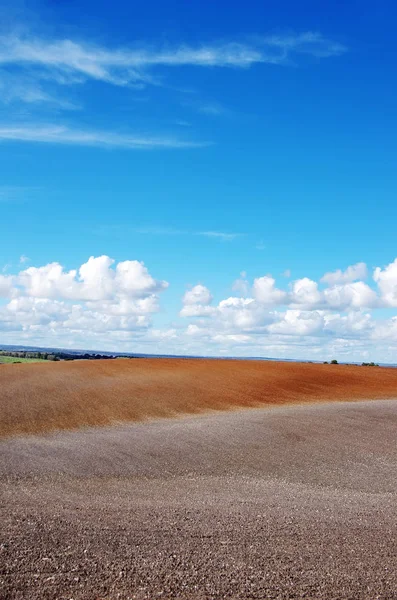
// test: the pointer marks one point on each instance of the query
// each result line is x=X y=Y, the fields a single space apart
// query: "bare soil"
x=293 y=502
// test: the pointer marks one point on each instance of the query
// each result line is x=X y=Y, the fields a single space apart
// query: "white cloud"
x=40 y=72
x=387 y=283
x=196 y=310
x=386 y=331
x=231 y=338
x=242 y=314
x=352 y=273
x=352 y=295
x=305 y=292
x=225 y=237
x=5 y=285
x=241 y=285
x=196 y=302
x=71 y=62
x=54 y=134
x=199 y=294
x=350 y=325
x=315 y=323
x=309 y=42
x=195 y=330
x=167 y=334
x=95 y=280
x=213 y=110
x=99 y=300
x=265 y=292
x=107 y=305
x=298 y=322
x=49 y=281
x=357 y=295
x=16 y=87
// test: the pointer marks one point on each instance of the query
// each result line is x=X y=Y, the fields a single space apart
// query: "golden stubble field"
x=42 y=397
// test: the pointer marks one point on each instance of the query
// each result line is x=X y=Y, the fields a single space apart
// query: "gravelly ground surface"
x=297 y=502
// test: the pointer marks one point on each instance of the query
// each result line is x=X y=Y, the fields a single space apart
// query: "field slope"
x=36 y=398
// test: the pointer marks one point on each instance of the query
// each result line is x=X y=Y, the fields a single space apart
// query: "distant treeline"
x=53 y=355
x=369 y=364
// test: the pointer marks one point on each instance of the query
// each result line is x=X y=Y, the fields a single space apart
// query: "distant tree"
x=325 y=362
x=334 y=362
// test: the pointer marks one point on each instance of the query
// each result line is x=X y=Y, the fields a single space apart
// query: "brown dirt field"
x=36 y=398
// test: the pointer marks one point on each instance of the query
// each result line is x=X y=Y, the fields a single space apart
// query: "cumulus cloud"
x=352 y=273
x=298 y=322
x=352 y=324
x=385 y=331
x=303 y=318
x=5 y=285
x=196 y=302
x=199 y=294
x=352 y=295
x=105 y=304
x=241 y=285
x=305 y=291
x=387 y=283
x=196 y=310
x=265 y=291
x=240 y=313
x=95 y=280
x=100 y=298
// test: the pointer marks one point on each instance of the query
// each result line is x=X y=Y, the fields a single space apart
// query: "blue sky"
x=204 y=140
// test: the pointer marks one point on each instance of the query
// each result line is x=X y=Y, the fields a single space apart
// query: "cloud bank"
x=107 y=305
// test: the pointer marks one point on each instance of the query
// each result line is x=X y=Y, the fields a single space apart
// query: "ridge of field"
x=36 y=398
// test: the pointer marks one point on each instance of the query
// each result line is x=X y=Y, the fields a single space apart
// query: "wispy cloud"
x=159 y=231
x=36 y=71
x=54 y=134
x=225 y=237
x=309 y=42
x=211 y=109
x=22 y=88
x=71 y=62
x=167 y=231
